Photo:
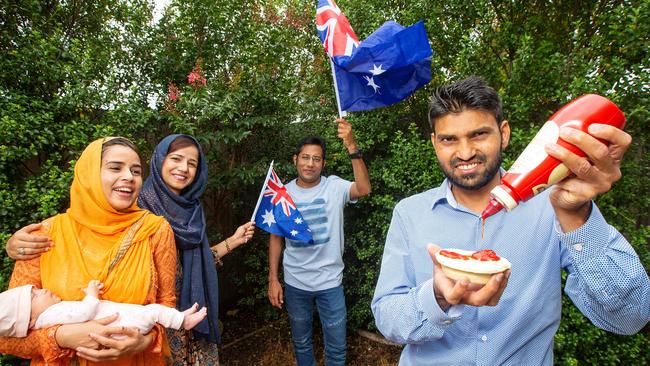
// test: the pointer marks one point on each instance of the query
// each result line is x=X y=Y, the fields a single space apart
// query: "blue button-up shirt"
x=606 y=281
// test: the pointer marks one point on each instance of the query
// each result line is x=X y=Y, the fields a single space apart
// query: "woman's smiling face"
x=121 y=176
x=179 y=168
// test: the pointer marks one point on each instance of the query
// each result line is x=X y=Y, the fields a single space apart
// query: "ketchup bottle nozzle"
x=493 y=207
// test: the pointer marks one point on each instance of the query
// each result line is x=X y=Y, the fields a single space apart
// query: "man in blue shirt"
x=313 y=273
x=513 y=318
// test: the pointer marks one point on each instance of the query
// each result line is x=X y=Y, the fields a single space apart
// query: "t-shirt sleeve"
x=342 y=187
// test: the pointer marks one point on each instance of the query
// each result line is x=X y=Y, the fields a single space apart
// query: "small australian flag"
x=276 y=212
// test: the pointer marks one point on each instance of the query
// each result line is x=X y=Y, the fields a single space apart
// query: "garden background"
x=72 y=71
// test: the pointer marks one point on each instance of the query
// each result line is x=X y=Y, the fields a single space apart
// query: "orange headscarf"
x=88 y=238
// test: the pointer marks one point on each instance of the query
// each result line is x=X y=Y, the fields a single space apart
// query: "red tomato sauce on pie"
x=482 y=255
x=454 y=255
x=486 y=255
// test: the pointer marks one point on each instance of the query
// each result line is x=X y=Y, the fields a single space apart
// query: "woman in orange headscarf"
x=104 y=236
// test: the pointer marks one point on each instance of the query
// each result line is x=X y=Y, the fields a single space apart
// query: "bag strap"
x=126 y=242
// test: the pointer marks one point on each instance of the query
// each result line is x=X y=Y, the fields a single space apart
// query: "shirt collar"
x=443 y=194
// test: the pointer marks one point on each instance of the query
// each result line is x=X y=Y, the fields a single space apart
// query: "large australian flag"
x=385 y=68
x=276 y=212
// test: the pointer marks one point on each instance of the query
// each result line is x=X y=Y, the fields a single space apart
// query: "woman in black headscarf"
x=178 y=178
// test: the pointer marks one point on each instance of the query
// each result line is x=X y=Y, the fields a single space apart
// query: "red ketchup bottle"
x=534 y=170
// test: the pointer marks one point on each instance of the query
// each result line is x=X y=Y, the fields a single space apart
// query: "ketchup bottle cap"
x=493 y=207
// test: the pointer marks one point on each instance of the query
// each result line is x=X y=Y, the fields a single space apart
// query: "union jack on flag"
x=277 y=213
x=334 y=29
x=385 y=68
x=278 y=193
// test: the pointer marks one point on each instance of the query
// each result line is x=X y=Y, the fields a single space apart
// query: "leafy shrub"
x=268 y=83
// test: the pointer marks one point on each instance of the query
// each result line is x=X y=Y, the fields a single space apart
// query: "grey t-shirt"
x=318 y=266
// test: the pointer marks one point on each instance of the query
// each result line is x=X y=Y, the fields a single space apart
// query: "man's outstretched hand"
x=450 y=292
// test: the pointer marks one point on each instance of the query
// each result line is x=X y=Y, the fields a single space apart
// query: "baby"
x=47 y=309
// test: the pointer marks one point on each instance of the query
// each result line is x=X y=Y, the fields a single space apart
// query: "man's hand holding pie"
x=449 y=291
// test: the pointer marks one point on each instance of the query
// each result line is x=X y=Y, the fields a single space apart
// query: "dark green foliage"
x=72 y=72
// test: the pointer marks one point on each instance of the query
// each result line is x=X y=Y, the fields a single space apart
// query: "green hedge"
x=70 y=73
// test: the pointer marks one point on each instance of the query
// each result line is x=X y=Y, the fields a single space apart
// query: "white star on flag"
x=376 y=70
x=371 y=82
x=294 y=232
x=298 y=220
x=269 y=219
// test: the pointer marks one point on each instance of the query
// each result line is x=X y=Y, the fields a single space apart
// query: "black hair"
x=179 y=143
x=311 y=140
x=112 y=141
x=470 y=93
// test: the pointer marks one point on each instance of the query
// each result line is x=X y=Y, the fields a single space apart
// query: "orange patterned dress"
x=41 y=346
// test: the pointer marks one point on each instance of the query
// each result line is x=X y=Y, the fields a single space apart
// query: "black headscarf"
x=185 y=214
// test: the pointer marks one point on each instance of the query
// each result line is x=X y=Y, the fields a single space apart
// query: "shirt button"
x=484 y=338
x=577 y=247
x=446 y=322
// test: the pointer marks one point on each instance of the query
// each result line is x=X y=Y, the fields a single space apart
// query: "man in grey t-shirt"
x=313 y=273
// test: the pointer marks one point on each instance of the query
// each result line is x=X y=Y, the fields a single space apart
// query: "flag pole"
x=336 y=91
x=259 y=199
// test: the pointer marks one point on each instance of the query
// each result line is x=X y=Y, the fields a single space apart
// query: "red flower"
x=172 y=92
x=196 y=78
